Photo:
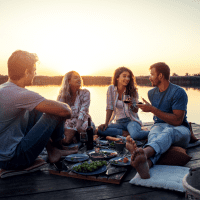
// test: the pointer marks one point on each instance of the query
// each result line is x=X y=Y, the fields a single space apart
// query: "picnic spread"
x=104 y=163
x=41 y=184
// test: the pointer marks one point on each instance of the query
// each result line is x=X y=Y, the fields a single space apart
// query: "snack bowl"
x=119 y=145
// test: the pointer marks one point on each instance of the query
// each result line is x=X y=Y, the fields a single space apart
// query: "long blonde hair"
x=64 y=93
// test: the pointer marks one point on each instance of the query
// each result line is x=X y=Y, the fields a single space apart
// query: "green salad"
x=89 y=166
x=112 y=144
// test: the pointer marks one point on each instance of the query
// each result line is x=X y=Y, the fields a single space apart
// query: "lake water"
x=98 y=101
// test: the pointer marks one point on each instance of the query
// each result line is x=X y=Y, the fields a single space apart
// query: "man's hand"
x=145 y=107
x=103 y=127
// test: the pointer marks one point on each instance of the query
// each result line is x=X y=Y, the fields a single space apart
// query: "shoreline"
x=184 y=81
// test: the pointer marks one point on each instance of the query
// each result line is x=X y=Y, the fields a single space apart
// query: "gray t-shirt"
x=15 y=104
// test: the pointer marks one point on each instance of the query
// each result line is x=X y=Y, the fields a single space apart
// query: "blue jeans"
x=125 y=124
x=41 y=127
x=163 y=135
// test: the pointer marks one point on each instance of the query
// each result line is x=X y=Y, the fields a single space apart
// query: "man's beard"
x=156 y=84
x=29 y=83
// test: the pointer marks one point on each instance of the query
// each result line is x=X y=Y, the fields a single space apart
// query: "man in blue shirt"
x=169 y=106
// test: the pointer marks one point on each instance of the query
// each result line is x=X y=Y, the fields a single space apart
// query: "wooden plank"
x=194 y=153
x=105 y=191
x=155 y=195
x=40 y=182
x=114 y=179
x=193 y=164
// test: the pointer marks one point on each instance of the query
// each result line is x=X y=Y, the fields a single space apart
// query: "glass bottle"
x=89 y=131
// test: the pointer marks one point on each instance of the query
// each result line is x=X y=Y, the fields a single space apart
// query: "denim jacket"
x=112 y=97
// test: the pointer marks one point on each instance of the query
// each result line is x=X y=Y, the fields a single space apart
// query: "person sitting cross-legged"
x=122 y=111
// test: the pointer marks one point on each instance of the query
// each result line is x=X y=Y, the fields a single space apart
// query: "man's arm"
x=175 y=118
x=54 y=108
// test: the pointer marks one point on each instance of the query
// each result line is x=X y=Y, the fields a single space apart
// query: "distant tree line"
x=187 y=81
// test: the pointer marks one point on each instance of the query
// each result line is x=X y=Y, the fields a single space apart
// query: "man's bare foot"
x=54 y=154
x=140 y=163
x=130 y=144
x=138 y=159
x=125 y=133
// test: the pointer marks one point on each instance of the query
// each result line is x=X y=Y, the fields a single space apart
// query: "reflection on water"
x=98 y=101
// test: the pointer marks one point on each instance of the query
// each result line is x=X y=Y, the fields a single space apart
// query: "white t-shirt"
x=120 y=113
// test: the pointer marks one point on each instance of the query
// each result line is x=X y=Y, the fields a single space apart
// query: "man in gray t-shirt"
x=28 y=120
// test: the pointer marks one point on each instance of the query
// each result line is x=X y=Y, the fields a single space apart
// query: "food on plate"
x=97 y=155
x=113 y=154
x=125 y=160
x=112 y=144
x=113 y=138
x=89 y=166
x=95 y=137
x=107 y=154
x=121 y=160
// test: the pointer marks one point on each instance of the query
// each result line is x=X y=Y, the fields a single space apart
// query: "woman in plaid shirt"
x=126 y=120
x=79 y=101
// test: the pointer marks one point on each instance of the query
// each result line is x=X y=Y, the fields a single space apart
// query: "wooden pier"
x=45 y=186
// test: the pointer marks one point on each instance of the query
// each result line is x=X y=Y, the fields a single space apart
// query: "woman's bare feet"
x=54 y=154
x=138 y=159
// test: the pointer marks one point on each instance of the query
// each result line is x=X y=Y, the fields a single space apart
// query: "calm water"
x=98 y=101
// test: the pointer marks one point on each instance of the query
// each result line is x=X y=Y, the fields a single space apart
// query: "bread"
x=113 y=138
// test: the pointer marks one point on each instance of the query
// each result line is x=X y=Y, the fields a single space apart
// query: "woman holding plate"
x=122 y=98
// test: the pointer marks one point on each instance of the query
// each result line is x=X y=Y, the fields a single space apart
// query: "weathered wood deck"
x=42 y=185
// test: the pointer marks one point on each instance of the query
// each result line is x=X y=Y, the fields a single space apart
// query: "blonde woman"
x=79 y=101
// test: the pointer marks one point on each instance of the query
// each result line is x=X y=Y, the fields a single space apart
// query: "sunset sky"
x=94 y=37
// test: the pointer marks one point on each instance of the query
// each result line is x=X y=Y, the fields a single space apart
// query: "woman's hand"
x=103 y=127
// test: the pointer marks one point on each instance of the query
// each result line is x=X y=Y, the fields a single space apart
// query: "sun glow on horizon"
x=95 y=37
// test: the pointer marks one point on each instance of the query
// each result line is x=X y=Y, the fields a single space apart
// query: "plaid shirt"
x=112 y=97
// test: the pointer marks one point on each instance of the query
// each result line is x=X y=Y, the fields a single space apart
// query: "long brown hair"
x=131 y=88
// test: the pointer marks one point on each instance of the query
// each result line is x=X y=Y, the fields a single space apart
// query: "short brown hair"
x=162 y=68
x=18 y=62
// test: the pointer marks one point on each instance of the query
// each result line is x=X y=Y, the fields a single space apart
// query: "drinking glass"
x=83 y=139
x=97 y=148
x=126 y=98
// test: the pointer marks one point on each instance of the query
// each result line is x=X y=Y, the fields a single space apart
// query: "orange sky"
x=94 y=37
